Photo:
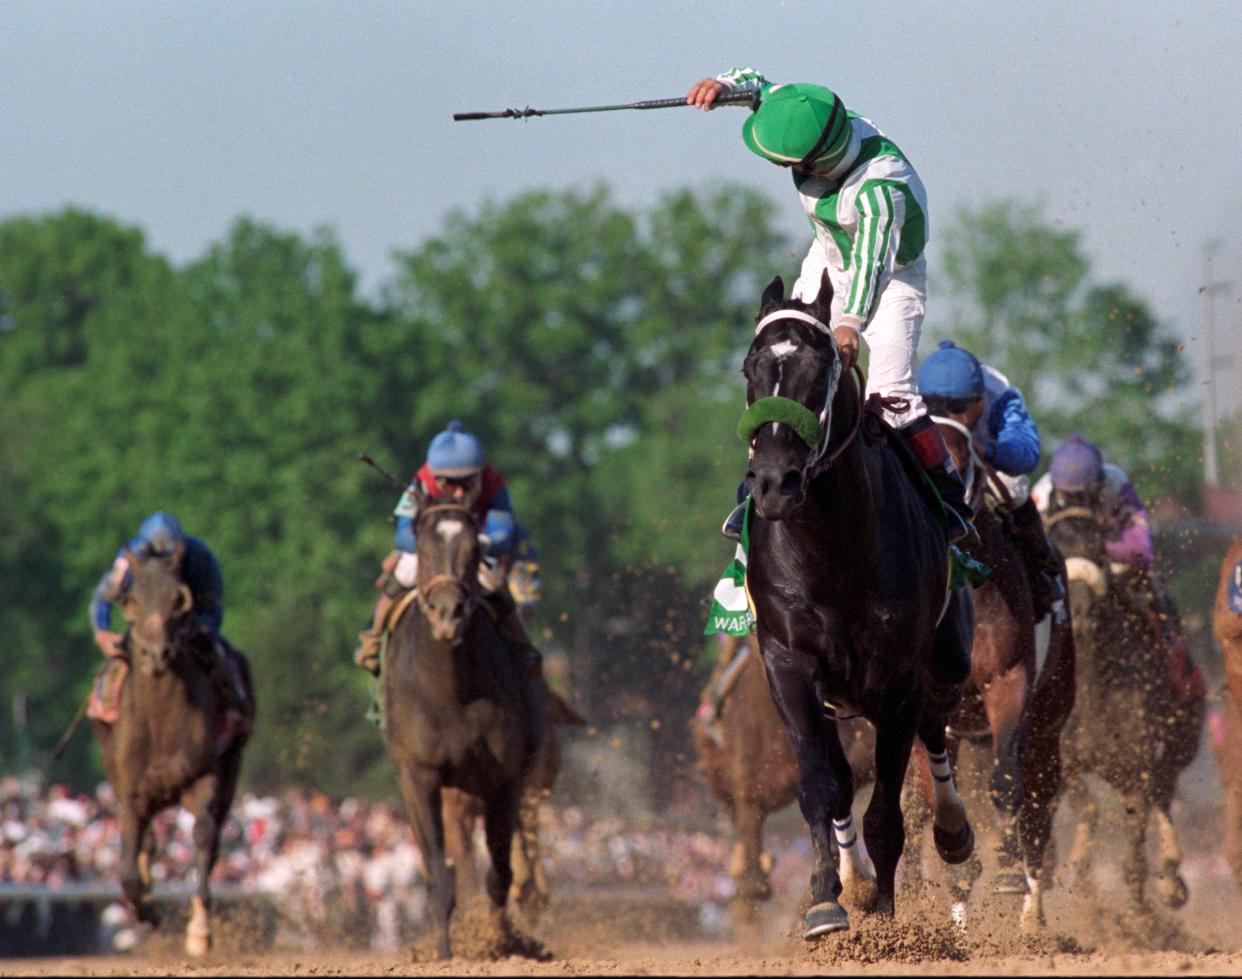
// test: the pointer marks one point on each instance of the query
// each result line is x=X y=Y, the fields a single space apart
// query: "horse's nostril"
x=791 y=483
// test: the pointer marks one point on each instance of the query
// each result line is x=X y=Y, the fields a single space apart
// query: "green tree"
x=1089 y=357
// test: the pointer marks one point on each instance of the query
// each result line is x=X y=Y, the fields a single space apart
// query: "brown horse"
x=1128 y=726
x=530 y=888
x=1018 y=697
x=755 y=774
x=461 y=709
x=167 y=745
x=1227 y=740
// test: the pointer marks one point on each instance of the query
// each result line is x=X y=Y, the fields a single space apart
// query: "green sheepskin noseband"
x=785 y=411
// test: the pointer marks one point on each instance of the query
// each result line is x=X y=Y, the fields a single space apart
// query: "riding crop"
x=728 y=98
x=363 y=457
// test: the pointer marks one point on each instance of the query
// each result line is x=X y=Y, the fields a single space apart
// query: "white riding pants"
x=892 y=336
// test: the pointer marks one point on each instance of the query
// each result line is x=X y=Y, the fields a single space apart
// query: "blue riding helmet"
x=159 y=534
x=951 y=372
x=1077 y=466
x=455 y=453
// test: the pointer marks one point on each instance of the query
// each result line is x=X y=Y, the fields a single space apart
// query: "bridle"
x=466 y=592
x=819 y=458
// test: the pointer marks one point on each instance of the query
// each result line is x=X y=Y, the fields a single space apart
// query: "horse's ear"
x=419 y=494
x=772 y=297
x=178 y=552
x=821 y=308
x=131 y=558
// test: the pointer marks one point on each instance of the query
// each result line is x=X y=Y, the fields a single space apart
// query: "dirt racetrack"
x=636 y=931
x=641 y=929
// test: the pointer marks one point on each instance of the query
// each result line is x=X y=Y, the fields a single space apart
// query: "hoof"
x=824 y=918
x=954 y=847
x=1010 y=882
x=860 y=893
x=197 y=944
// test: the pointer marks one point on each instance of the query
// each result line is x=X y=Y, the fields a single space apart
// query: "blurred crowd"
x=345 y=870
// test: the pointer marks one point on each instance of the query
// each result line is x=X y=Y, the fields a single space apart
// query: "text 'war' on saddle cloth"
x=731 y=612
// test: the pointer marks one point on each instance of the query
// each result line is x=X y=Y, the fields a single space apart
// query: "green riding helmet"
x=799 y=123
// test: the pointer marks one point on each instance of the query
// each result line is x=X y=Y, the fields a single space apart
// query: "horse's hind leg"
x=951 y=830
x=420 y=788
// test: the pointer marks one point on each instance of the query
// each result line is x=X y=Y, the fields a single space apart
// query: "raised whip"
x=728 y=98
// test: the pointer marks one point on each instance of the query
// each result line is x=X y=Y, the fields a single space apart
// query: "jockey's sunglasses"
x=457 y=482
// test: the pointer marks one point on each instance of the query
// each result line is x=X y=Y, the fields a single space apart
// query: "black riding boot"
x=927 y=444
x=732 y=527
x=1042 y=562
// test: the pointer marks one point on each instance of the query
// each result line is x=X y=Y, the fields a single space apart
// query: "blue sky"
x=1123 y=117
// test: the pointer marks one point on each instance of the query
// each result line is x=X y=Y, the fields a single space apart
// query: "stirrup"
x=732 y=527
x=960 y=530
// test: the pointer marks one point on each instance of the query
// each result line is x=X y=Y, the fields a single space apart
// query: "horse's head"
x=448 y=565
x=157 y=606
x=1077 y=532
x=792 y=370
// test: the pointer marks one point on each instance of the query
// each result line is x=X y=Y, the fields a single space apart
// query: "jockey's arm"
x=1132 y=544
x=1014 y=447
x=110 y=588
x=881 y=214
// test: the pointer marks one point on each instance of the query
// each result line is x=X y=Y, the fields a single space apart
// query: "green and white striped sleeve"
x=744 y=80
x=881 y=214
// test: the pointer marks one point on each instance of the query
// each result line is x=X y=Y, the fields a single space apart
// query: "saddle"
x=963 y=569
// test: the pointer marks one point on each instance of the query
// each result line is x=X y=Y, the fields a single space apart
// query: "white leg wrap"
x=855 y=861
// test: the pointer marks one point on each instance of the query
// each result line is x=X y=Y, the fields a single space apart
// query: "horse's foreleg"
x=750 y=880
x=1041 y=756
x=1086 y=818
x=822 y=793
x=1005 y=702
x=1136 y=814
x=134 y=885
x=420 y=788
x=1233 y=829
x=210 y=808
x=1173 y=889
x=500 y=819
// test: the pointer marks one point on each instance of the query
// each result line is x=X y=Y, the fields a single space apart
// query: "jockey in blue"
x=457 y=469
x=957 y=387
x=159 y=535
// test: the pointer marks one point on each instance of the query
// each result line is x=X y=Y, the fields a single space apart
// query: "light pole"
x=1211 y=465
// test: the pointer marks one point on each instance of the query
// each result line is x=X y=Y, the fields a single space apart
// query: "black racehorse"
x=849 y=573
x=460 y=709
x=169 y=744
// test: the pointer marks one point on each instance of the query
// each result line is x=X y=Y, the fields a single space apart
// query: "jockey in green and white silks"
x=868 y=209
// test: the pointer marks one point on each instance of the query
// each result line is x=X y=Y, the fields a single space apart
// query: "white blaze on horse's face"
x=449 y=529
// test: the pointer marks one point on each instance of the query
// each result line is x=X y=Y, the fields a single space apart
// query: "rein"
x=1069 y=513
x=786 y=411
